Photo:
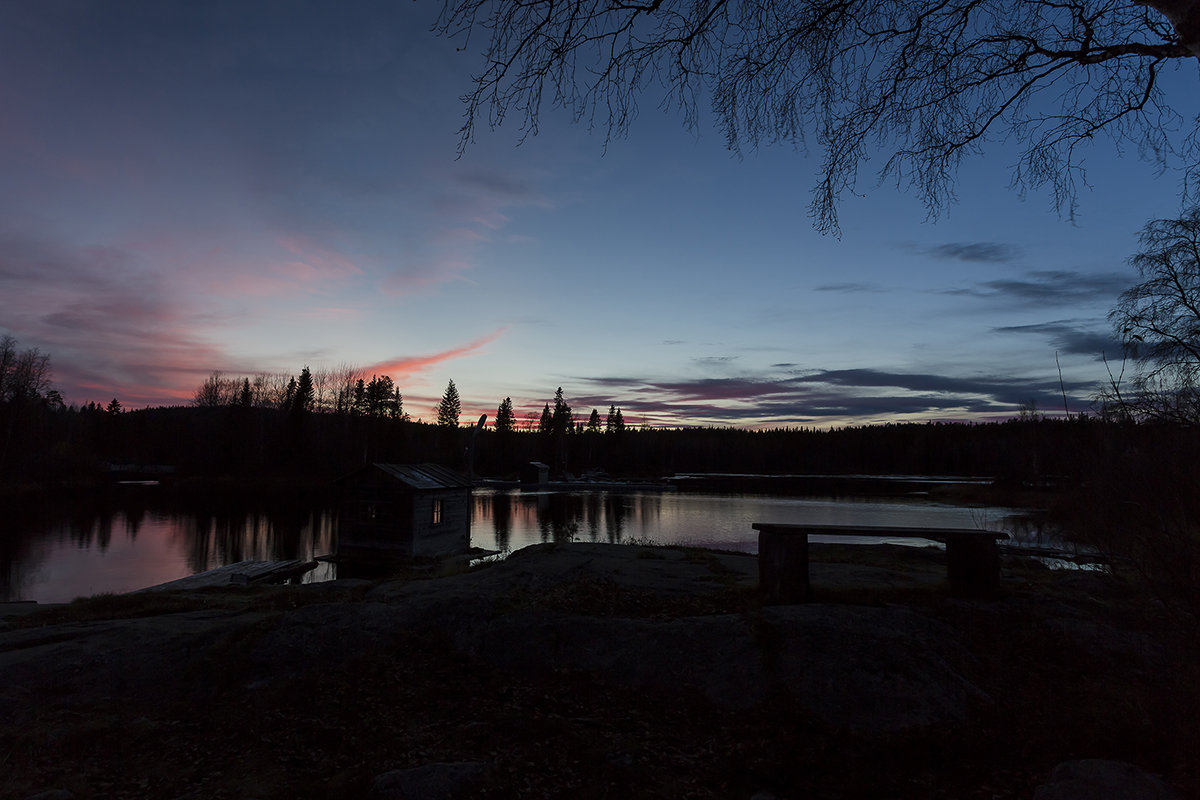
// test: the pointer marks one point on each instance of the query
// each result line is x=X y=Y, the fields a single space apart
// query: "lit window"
x=437 y=512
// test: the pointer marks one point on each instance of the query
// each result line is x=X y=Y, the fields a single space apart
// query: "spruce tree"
x=450 y=408
x=505 y=421
x=304 y=394
x=560 y=419
x=545 y=424
x=593 y=424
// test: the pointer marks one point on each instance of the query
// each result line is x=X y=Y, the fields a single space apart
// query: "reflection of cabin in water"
x=405 y=511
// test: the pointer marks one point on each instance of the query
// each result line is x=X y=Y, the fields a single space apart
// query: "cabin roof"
x=425 y=476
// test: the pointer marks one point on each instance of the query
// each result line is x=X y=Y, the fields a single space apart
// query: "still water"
x=62 y=557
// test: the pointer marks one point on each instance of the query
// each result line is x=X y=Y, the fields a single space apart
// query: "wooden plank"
x=240 y=574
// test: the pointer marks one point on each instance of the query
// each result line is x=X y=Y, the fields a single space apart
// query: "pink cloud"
x=399 y=368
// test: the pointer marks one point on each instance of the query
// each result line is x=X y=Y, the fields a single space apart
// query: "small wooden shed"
x=404 y=511
x=535 y=473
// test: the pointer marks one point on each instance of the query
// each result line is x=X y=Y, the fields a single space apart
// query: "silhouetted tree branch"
x=1159 y=321
x=922 y=83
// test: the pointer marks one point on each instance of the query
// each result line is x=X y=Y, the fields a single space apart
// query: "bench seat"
x=972 y=557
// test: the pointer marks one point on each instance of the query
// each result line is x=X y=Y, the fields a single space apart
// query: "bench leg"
x=783 y=567
x=973 y=564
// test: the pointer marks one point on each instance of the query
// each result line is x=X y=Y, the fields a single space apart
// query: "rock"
x=1097 y=779
x=445 y=781
x=862 y=669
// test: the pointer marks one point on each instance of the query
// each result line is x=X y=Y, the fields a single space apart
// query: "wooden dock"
x=243 y=573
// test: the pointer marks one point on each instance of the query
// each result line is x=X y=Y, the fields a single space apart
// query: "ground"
x=585 y=670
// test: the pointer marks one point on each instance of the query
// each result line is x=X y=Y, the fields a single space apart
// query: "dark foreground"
x=596 y=671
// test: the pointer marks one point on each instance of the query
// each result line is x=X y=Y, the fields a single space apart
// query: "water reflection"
x=54 y=554
x=508 y=520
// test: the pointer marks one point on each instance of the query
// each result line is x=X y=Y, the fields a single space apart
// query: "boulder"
x=1098 y=779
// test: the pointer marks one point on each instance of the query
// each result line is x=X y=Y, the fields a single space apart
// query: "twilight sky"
x=259 y=186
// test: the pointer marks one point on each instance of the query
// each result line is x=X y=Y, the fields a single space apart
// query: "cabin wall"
x=383 y=516
x=450 y=532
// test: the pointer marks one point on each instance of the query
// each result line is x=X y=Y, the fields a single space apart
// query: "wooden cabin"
x=404 y=511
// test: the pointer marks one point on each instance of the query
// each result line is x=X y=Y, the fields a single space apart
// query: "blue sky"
x=255 y=187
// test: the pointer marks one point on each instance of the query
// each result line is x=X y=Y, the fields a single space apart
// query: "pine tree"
x=114 y=407
x=245 y=397
x=450 y=408
x=505 y=421
x=560 y=419
x=593 y=424
x=545 y=424
x=303 y=395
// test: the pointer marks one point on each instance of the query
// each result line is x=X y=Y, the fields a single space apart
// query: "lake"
x=58 y=555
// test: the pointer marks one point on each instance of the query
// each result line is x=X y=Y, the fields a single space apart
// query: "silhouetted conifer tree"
x=505 y=421
x=302 y=393
x=546 y=423
x=450 y=407
x=593 y=423
x=560 y=419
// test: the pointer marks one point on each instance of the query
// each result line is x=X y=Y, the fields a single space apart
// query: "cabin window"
x=437 y=512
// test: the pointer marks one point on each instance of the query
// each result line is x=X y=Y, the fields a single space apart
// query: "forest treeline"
x=54 y=444
x=322 y=424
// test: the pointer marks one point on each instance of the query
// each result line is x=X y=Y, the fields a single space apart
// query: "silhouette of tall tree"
x=615 y=422
x=303 y=395
x=245 y=396
x=561 y=421
x=505 y=420
x=915 y=85
x=450 y=408
x=593 y=423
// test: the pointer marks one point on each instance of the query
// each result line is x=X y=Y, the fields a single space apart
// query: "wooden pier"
x=243 y=573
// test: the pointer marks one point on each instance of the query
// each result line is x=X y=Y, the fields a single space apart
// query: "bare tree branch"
x=923 y=84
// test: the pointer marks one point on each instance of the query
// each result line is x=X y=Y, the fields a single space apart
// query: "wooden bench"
x=972 y=557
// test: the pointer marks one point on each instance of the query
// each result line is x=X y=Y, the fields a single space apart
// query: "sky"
x=261 y=186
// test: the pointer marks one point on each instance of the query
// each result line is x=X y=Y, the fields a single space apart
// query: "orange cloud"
x=404 y=367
